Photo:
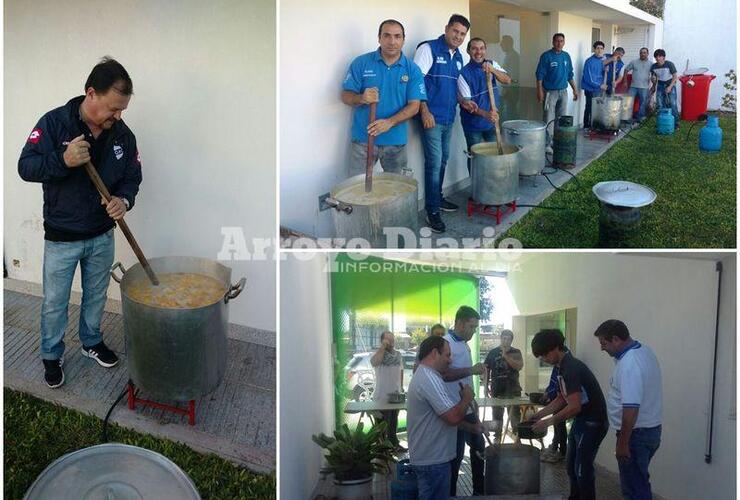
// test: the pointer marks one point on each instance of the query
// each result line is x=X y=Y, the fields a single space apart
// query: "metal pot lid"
x=624 y=194
x=113 y=472
x=524 y=125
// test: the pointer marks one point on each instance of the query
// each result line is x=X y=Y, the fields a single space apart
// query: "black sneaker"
x=447 y=206
x=435 y=223
x=100 y=353
x=53 y=373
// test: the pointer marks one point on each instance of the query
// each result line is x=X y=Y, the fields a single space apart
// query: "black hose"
x=104 y=435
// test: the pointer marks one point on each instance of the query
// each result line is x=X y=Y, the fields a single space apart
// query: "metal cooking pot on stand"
x=176 y=354
x=606 y=113
x=494 y=178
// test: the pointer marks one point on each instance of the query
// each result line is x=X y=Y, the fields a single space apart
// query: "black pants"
x=477 y=465
x=390 y=417
x=587 y=112
x=560 y=440
x=583 y=444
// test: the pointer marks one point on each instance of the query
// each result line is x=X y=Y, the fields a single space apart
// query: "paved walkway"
x=236 y=421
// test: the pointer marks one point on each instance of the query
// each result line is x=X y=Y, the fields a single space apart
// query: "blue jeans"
x=472 y=138
x=643 y=96
x=433 y=481
x=664 y=100
x=476 y=444
x=436 y=143
x=95 y=256
x=633 y=472
x=583 y=443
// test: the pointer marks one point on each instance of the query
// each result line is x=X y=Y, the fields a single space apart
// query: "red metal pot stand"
x=133 y=399
x=499 y=212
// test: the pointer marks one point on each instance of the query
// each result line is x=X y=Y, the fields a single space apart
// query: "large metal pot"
x=494 y=178
x=532 y=137
x=176 y=354
x=628 y=107
x=367 y=219
x=512 y=469
x=606 y=113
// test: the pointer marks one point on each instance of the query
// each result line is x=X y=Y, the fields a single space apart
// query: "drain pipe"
x=710 y=426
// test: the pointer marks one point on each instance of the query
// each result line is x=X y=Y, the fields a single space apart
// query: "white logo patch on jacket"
x=118 y=151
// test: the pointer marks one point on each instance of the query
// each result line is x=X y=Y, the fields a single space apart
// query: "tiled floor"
x=236 y=421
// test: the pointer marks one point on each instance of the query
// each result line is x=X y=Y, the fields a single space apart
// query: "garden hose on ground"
x=104 y=434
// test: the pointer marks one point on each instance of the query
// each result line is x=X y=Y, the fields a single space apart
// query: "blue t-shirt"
x=593 y=74
x=554 y=70
x=475 y=78
x=397 y=85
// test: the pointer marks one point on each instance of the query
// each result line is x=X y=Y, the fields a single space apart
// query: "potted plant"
x=353 y=457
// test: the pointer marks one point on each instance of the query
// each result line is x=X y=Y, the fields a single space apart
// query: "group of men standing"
x=443 y=417
x=432 y=86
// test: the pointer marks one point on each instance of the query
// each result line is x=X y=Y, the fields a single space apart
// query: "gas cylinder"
x=710 y=136
x=665 y=123
x=564 y=146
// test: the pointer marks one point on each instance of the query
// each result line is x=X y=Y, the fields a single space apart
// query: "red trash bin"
x=694 y=99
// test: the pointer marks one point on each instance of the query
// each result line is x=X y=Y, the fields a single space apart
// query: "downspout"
x=710 y=426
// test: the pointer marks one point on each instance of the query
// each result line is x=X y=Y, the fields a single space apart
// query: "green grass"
x=37 y=433
x=695 y=208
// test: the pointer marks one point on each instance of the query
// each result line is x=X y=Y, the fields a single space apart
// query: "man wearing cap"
x=635 y=406
x=440 y=62
x=386 y=77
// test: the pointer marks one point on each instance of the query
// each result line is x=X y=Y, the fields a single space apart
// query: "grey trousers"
x=392 y=158
x=556 y=105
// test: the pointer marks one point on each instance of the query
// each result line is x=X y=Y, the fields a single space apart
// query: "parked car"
x=360 y=374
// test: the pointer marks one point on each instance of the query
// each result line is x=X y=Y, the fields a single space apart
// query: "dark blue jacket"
x=441 y=81
x=71 y=202
x=476 y=79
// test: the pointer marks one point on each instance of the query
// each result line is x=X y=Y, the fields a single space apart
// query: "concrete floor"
x=236 y=421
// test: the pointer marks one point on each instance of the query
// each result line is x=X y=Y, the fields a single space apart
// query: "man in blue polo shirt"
x=440 y=62
x=592 y=81
x=387 y=77
x=635 y=406
x=476 y=114
x=554 y=73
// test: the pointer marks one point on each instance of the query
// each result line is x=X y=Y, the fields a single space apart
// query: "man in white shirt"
x=461 y=370
x=634 y=404
x=433 y=416
x=388 y=365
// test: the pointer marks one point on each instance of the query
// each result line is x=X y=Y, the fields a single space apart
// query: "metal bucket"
x=494 y=177
x=108 y=471
x=512 y=469
x=617 y=225
x=628 y=107
x=176 y=354
x=532 y=137
x=606 y=113
x=367 y=220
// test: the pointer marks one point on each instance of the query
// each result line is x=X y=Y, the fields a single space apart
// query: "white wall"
x=577 y=31
x=306 y=371
x=705 y=32
x=315 y=52
x=669 y=304
x=203 y=113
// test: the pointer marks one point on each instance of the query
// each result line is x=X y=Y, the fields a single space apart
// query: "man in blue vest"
x=592 y=81
x=387 y=77
x=440 y=62
x=554 y=73
x=77 y=227
x=611 y=61
x=476 y=114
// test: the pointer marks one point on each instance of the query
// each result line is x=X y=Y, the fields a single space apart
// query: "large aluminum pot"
x=606 y=113
x=112 y=471
x=628 y=107
x=176 y=354
x=397 y=208
x=512 y=469
x=494 y=178
x=532 y=137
